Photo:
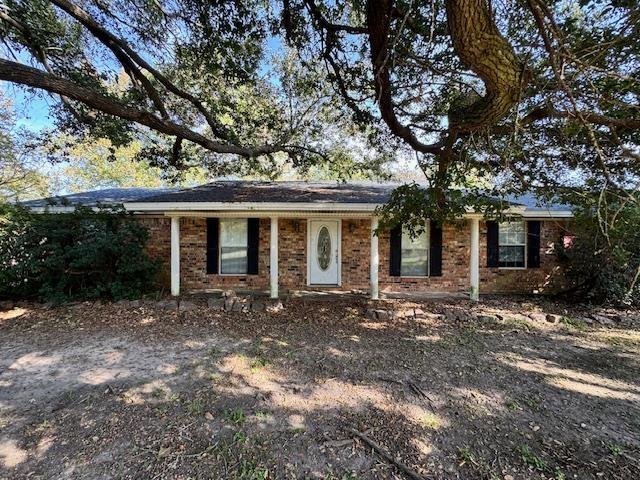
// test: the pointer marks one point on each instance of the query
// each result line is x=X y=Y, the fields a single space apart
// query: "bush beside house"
x=602 y=262
x=85 y=254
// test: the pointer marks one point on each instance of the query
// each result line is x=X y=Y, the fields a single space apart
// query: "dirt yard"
x=491 y=391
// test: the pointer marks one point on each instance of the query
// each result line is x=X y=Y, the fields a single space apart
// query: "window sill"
x=512 y=268
x=239 y=275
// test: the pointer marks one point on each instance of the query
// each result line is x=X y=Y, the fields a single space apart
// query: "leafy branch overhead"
x=529 y=93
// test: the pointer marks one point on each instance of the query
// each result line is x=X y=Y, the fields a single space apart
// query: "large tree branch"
x=316 y=13
x=40 y=54
x=597 y=119
x=32 y=77
x=548 y=112
x=482 y=49
x=379 y=14
x=113 y=42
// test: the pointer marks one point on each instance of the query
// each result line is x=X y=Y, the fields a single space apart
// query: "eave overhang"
x=298 y=209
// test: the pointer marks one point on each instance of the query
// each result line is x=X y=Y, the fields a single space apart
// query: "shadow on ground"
x=97 y=391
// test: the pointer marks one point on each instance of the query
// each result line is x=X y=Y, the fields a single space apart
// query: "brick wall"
x=193 y=260
x=292 y=253
x=456 y=241
x=159 y=245
x=292 y=240
x=356 y=254
x=545 y=279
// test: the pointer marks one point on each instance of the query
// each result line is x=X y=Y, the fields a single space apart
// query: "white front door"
x=323 y=252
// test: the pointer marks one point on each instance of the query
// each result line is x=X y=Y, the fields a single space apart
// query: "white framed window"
x=233 y=246
x=414 y=260
x=512 y=244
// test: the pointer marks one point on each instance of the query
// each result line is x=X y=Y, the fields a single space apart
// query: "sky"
x=31 y=109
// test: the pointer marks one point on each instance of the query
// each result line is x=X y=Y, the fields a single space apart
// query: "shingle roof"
x=533 y=203
x=310 y=192
x=107 y=196
x=231 y=191
x=280 y=192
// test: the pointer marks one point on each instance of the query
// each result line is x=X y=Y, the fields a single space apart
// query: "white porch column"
x=175 y=256
x=375 y=260
x=474 y=263
x=273 y=258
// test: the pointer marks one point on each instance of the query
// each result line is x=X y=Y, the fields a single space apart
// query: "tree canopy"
x=21 y=174
x=532 y=94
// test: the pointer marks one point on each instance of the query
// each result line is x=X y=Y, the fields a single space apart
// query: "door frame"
x=339 y=259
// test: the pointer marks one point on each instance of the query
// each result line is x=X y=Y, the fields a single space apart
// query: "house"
x=319 y=235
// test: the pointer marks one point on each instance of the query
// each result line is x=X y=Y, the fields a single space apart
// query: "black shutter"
x=533 y=244
x=492 y=244
x=212 y=245
x=395 y=255
x=435 y=250
x=253 y=242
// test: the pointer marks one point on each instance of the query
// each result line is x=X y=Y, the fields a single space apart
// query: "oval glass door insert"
x=324 y=248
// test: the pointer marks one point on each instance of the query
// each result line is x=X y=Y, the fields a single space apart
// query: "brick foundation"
x=292 y=246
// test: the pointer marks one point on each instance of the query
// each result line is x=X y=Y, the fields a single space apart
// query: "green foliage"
x=615 y=450
x=20 y=177
x=196 y=407
x=573 y=323
x=85 y=163
x=299 y=77
x=80 y=255
x=226 y=55
x=236 y=415
x=603 y=262
x=412 y=204
x=91 y=164
x=532 y=459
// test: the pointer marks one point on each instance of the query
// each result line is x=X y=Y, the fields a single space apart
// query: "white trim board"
x=317 y=207
x=281 y=209
x=250 y=206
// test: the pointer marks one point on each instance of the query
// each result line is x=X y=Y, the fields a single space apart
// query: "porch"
x=333 y=253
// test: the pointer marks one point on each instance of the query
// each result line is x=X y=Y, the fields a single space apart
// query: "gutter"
x=290 y=209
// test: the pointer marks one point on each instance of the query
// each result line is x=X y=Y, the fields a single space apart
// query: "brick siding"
x=292 y=246
x=545 y=279
x=159 y=245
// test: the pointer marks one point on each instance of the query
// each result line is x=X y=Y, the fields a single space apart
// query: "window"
x=233 y=246
x=415 y=255
x=512 y=238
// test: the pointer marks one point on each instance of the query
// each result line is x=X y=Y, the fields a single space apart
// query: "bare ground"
x=100 y=391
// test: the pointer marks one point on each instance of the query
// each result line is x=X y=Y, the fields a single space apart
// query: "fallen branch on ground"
x=386 y=455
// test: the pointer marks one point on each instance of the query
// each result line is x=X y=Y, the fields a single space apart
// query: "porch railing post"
x=375 y=260
x=474 y=261
x=273 y=258
x=175 y=256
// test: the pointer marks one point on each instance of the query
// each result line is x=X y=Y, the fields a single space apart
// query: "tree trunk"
x=482 y=49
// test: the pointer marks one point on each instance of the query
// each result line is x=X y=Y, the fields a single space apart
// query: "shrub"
x=603 y=262
x=85 y=254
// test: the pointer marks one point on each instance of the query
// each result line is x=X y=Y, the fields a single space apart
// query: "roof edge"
x=173 y=208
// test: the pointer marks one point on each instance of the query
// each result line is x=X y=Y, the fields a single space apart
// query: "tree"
x=602 y=260
x=20 y=175
x=83 y=164
x=210 y=95
x=85 y=254
x=533 y=94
